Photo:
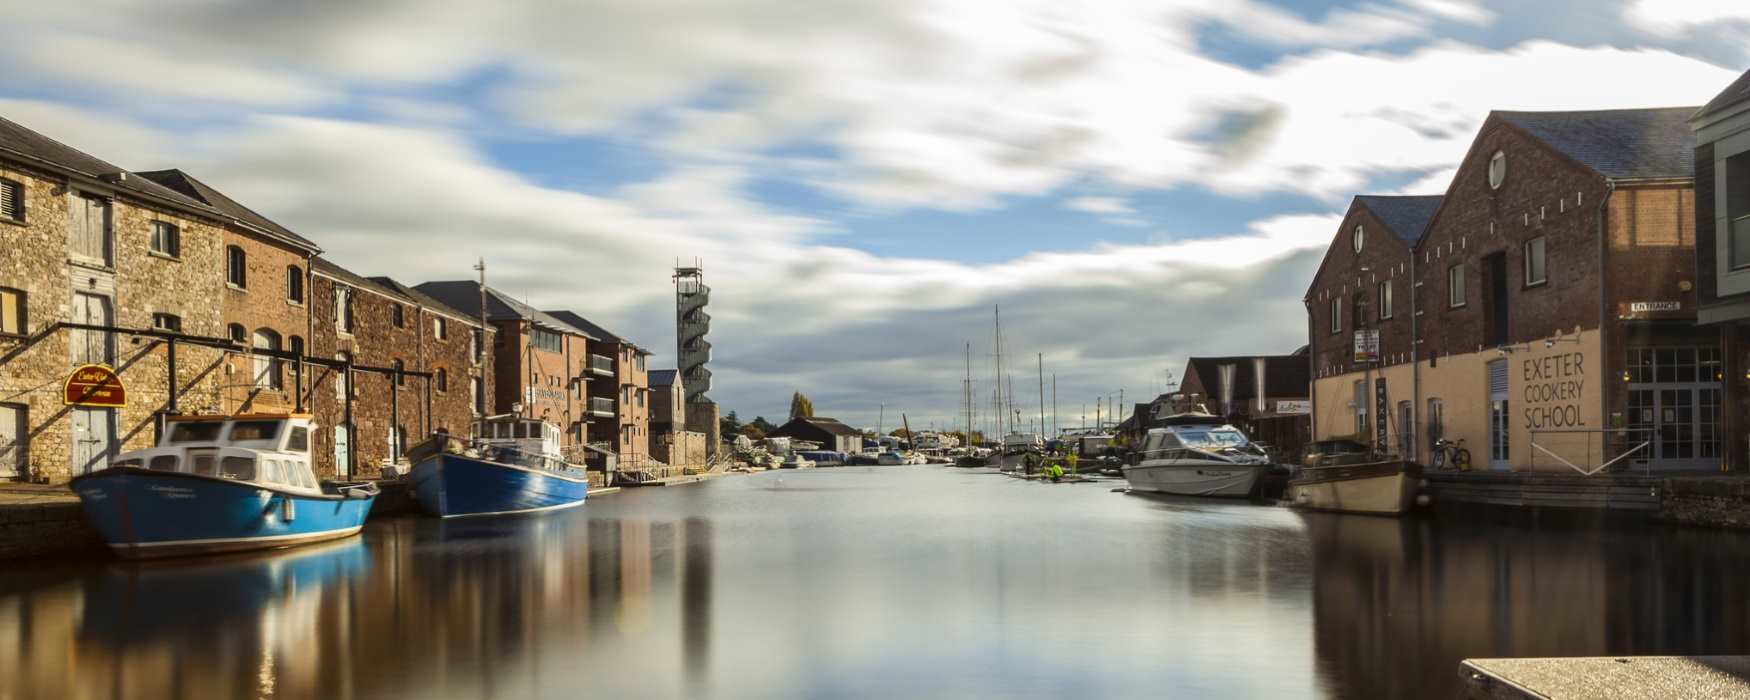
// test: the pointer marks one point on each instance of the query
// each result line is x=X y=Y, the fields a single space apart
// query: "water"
x=873 y=582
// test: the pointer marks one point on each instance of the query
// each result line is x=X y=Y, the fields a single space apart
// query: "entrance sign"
x=1367 y=346
x=94 y=386
x=1641 y=307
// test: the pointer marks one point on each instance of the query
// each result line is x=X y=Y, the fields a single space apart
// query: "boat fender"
x=288 y=511
x=1423 y=500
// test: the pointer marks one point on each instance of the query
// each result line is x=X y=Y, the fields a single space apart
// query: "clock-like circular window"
x=1357 y=239
x=1497 y=170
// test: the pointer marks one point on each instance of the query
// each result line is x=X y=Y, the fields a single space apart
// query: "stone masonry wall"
x=138 y=285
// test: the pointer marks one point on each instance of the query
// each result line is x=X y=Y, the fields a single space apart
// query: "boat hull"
x=454 y=486
x=1377 y=489
x=1219 y=480
x=143 y=514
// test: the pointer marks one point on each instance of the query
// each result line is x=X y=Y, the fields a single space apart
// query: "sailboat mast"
x=968 y=392
x=1002 y=421
x=1041 y=357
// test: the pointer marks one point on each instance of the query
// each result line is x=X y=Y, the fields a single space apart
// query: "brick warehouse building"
x=629 y=390
x=83 y=240
x=1553 y=306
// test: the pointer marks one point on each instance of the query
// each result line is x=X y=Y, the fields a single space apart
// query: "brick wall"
x=138 y=284
x=1706 y=255
x=1340 y=277
x=263 y=305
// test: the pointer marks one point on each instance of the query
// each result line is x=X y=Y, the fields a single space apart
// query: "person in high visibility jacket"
x=1071 y=459
x=1055 y=472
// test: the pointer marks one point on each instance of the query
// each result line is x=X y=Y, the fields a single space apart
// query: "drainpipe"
x=309 y=324
x=1604 y=308
x=1415 y=360
x=1312 y=372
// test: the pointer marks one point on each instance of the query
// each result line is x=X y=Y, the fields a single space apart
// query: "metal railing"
x=600 y=405
x=1603 y=447
x=601 y=363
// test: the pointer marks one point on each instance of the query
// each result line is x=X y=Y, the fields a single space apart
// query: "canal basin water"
x=922 y=581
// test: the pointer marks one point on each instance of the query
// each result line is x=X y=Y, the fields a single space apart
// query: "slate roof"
x=425 y=300
x=32 y=146
x=327 y=267
x=1738 y=91
x=830 y=425
x=464 y=296
x=1285 y=376
x=594 y=330
x=1406 y=216
x=1618 y=143
x=192 y=188
x=663 y=377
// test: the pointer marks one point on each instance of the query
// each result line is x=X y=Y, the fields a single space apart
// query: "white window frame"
x=166 y=239
x=1385 y=300
x=237 y=271
x=1541 y=276
x=440 y=328
x=1336 y=316
x=1455 y=287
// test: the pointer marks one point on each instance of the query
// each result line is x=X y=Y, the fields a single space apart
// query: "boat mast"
x=1002 y=421
x=1041 y=357
x=967 y=390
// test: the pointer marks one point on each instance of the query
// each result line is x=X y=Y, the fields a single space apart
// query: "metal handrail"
x=1600 y=431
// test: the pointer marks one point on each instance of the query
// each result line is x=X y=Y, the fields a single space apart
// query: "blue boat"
x=514 y=466
x=220 y=484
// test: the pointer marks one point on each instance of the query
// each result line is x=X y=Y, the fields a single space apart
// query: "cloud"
x=1673 y=17
x=1099 y=205
x=1462 y=11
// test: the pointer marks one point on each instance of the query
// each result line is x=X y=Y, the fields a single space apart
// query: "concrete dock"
x=1607 y=677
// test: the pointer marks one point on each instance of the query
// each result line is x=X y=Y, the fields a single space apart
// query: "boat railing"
x=510 y=453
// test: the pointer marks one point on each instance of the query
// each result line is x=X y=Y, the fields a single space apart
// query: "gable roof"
x=1285 y=376
x=1738 y=91
x=664 y=377
x=199 y=191
x=1405 y=216
x=594 y=330
x=424 y=299
x=329 y=268
x=1631 y=144
x=830 y=425
x=464 y=296
x=32 y=146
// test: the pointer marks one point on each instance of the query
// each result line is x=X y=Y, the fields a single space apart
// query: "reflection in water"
x=1397 y=604
x=898 y=582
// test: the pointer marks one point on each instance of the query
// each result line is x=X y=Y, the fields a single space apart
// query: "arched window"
x=399 y=367
x=267 y=369
x=294 y=284
x=236 y=267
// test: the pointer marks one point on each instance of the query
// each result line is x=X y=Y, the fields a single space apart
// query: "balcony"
x=601 y=408
x=601 y=365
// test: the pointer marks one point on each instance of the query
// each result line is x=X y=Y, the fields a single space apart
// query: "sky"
x=863 y=182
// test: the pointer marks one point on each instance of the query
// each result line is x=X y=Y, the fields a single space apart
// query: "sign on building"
x=1382 y=406
x=1641 y=307
x=94 y=386
x=1294 y=407
x=1367 y=345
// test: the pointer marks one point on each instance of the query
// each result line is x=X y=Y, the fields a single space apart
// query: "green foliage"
x=800 y=406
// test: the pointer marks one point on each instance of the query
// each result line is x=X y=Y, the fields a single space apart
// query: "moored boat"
x=1352 y=481
x=1197 y=454
x=1019 y=452
x=220 y=484
x=515 y=465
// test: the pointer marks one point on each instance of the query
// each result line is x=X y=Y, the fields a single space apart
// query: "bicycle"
x=1450 y=454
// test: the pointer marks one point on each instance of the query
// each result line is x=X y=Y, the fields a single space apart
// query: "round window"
x=1497 y=170
x=1357 y=239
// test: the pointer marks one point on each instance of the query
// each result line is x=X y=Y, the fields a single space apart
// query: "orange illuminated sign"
x=94 y=386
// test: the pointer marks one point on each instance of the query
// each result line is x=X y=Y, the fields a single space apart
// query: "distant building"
x=831 y=434
x=667 y=402
x=1265 y=395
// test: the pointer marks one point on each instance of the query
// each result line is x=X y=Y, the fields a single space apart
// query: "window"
x=440 y=327
x=236 y=332
x=340 y=376
x=13 y=320
x=11 y=201
x=343 y=309
x=1735 y=190
x=1536 y=270
x=299 y=440
x=478 y=337
x=1497 y=170
x=267 y=368
x=442 y=379
x=544 y=339
x=294 y=284
x=166 y=239
x=1436 y=421
x=255 y=431
x=296 y=345
x=640 y=362
x=90 y=232
x=397 y=315
x=400 y=369
x=476 y=395
x=163 y=463
x=167 y=322
x=1385 y=310
x=239 y=468
x=1357 y=238
x=1336 y=317
x=196 y=431
x=1455 y=286
x=236 y=267
x=1361 y=411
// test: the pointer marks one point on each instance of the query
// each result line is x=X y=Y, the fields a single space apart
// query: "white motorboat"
x=1015 y=449
x=1197 y=454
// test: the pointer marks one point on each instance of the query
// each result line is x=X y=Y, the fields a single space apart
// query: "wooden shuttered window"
x=11 y=201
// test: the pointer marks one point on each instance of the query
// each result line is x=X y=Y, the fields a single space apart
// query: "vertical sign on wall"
x=1380 y=423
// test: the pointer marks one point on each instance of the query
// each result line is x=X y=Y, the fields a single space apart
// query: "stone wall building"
x=1554 y=305
x=85 y=243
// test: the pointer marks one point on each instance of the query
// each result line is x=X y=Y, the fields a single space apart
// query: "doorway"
x=93 y=434
x=1674 y=407
x=1500 y=449
x=1495 y=299
x=13 y=429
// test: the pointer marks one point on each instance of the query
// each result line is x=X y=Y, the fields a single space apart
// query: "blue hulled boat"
x=514 y=466
x=220 y=484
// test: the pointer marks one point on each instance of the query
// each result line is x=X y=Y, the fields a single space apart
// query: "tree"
x=753 y=432
x=800 y=406
x=729 y=425
x=765 y=426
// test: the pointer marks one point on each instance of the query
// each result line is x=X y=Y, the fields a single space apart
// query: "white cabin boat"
x=1197 y=454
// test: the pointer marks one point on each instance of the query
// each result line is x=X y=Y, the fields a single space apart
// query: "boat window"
x=253 y=430
x=1217 y=438
x=196 y=431
x=206 y=464
x=239 y=468
x=304 y=475
x=164 y=463
x=299 y=441
x=271 y=472
x=126 y=463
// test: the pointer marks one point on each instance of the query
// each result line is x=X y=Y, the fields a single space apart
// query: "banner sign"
x=1381 y=405
x=1294 y=407
x=94 y=386
x=1367 y=346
